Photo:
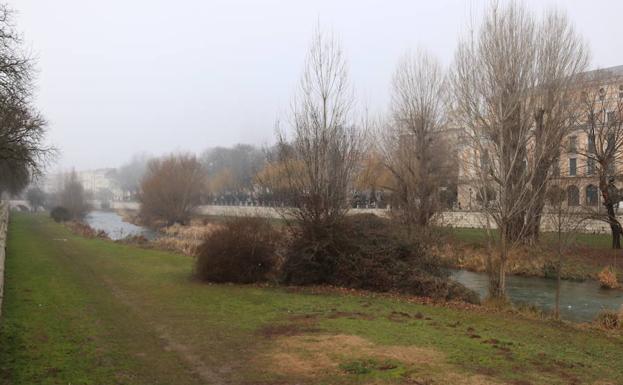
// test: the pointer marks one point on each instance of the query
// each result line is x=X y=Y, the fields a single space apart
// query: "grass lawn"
x=83 y=311
x=478 y=237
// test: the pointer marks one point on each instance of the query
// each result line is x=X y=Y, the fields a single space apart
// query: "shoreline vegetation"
x=104 y=312
x=187 y=239
x=457 y=248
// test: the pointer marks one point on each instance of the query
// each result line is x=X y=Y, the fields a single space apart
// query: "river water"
x=580 y=301
x=114 y=225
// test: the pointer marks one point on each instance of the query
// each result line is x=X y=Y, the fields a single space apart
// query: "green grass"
x=85 y=311
x=479 y=237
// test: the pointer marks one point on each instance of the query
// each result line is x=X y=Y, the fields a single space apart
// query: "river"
x=580 y=301
x=114 y=225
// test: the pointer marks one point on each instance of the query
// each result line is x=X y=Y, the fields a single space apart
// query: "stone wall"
x=4 y=223
x=476 y=219
x=466 y=219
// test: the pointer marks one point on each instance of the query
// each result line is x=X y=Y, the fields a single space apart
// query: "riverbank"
x=583 y=259
x=459 y=248
x=92 y=311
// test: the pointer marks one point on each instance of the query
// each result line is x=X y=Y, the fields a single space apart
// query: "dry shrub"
x=188 y=247
x=60 y=214
x=134 y=240
x=368 y=253
x=171 y=188
x=608 y=278
x=185 y=239
x=195 y=231
x=243 y=250
x=85 y=230
x=609 y=319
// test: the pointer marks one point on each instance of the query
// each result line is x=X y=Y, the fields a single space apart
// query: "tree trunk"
x=497 y=271
x=558 y=273
x=615 y=226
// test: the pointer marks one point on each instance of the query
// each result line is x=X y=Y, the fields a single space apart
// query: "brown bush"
x=243 y=250
x=85 y=230
x=171 y=189
x=609 y=319
x=608 y=278
x=367 y=252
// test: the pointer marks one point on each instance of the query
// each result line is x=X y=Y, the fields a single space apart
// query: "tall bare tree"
x=22 y=128
x=415 y=147
x=602 y=121
x=510 y=89
x=561 y=58
x=319 y=162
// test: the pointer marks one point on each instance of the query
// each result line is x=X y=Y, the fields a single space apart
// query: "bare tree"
x=319 y=163
x=561 y=56
x=72 y=197
x=36 y=197
x=602 y=115
x=233 y=169
x=22 y=128
x=171 y=189
x=566 y=222
x=415 y=147
x=494 y=81
x=128 y=177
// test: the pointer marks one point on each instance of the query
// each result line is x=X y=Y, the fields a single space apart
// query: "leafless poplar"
x=318 y=164
x=509 y=84
x=414 y=147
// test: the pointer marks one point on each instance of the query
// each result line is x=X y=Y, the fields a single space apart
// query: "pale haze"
x=117 y=78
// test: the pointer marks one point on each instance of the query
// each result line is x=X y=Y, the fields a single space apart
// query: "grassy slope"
x=85 y=311
x=478 y=236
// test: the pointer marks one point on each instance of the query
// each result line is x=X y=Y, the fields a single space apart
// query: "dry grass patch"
x=185 y=239
x=320 y=355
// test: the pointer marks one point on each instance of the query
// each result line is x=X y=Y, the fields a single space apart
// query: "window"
x=573 y=144
x=611 y=117
x=573 y=165
x=573 y=196
x=590 y=166
x=592 y=196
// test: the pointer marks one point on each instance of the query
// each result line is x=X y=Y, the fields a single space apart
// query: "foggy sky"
x=118 y=77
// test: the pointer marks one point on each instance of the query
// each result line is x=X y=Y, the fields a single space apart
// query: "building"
x=575 y=166
x=99 y=184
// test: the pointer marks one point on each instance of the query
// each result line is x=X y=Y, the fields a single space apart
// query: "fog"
x=122 y=77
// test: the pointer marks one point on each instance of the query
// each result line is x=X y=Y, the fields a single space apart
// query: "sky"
x=120 y=77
